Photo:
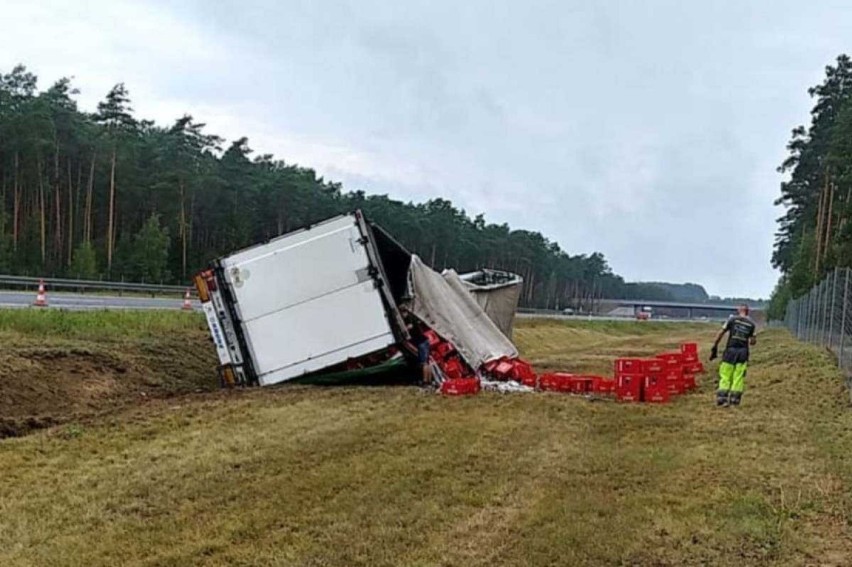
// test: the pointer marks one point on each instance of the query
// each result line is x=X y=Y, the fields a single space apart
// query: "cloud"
x=647 y=131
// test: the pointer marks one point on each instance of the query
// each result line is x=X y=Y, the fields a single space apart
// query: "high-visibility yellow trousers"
x=732 y=376
x=731 y=381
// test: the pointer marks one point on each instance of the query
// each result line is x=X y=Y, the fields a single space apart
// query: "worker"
x=420 y=343
x=732 y=370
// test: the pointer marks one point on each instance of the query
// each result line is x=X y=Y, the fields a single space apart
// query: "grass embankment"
x=392 y=476
x=57 y=366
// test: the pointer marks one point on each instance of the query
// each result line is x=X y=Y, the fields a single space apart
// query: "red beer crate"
x=587 y=384
x=573 y=383
x=693 y=368
x=432 y=337
x=442 y=350
x=675 y=383
x=502 y=370
x=671 y=359
x=689 y=352
x=460 y=386
x=581 y=385
x=629 y=366
x=530 y=381
x=453 y=368
x=628 y=388
x=556 y=382
x=690 y=358
x=655 y=390
x=605 y=386
x=689 y=381
x=523 y=372
x=511 y=369
x=653 y=366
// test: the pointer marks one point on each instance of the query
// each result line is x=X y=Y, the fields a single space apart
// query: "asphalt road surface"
x=82 y=302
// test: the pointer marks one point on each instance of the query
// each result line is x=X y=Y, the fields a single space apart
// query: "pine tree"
x=114 y=113
x=150 y=253
x=84 y=264
x=82 y=194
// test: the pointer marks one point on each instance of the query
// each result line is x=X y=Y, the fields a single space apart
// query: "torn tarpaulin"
x=444 y=304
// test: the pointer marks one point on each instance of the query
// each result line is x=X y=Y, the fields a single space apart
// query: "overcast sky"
x=649 y=131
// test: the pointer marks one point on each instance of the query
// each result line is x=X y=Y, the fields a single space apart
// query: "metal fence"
x=824 y=316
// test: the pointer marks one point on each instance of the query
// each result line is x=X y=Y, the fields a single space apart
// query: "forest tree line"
x=109 y=195
x=815 y=232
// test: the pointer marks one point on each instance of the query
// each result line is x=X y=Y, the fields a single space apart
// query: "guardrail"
x=92 y=285
x=554 y=314
x=570 y=315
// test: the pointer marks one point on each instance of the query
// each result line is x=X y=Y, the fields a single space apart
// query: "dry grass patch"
x=591 y=346
x=58 y=366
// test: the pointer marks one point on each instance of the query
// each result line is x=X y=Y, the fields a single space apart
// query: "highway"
x=564 y=317
x=83 y=302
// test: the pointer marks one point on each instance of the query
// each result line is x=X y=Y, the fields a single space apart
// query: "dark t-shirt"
x=415 y=329
x=740 y=330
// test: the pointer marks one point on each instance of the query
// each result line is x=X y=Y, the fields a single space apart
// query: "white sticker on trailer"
x=216 y=333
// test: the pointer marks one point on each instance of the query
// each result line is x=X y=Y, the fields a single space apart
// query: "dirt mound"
x=46 y=384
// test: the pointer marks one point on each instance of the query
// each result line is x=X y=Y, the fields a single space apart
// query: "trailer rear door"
x=308 y=300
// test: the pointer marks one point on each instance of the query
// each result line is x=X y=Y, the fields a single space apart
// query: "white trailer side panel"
x=306 y=301
x=316 y=334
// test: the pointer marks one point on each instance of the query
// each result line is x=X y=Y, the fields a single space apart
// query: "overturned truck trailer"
x=329 y=295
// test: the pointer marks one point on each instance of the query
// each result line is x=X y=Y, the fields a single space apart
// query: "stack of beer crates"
x=657 y=379
x=659 y=374
x=691 y=364
x=653 y=380
x=629 y=375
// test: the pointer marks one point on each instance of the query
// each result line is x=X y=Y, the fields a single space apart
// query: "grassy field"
x=394 y=476
x=97 y=325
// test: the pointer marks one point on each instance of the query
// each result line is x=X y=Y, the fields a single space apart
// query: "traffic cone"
x=187 y=302
x=41 y=296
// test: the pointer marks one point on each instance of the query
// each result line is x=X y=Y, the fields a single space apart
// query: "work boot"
x=722 y=398
x=736 y=398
